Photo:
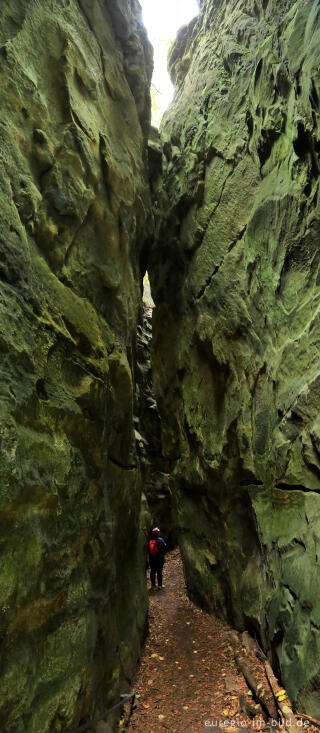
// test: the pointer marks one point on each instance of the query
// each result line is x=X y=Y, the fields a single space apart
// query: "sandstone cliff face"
x=235 y=276
x=74 y=115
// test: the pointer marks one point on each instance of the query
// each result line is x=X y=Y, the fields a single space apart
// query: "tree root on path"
x=262 y=693
x=282 y=700
x=273 y=699
x=251 y=710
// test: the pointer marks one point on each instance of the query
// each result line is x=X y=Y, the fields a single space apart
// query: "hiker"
x=156 y=549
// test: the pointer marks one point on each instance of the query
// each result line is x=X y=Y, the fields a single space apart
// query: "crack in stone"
x=217 y=267
x=296 y=487
x=131 y=467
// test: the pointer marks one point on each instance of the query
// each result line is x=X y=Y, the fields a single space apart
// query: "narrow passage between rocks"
x=187 y=679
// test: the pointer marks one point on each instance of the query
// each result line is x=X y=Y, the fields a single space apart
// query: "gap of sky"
x=162 y=19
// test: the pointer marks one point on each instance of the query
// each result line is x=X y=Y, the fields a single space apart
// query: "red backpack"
x=153 y=547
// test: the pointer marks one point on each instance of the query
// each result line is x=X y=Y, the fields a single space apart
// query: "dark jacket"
x=162 y=548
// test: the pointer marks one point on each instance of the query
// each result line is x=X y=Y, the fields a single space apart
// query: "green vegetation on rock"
x=234 y=272
x=75 y=207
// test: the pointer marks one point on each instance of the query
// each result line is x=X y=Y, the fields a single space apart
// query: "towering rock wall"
x=235 y=277
x=74 y=115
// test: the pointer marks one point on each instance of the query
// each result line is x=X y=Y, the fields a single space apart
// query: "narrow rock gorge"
x=154 y=467
x=235 y=276
x=74 y=115
x=222 y=209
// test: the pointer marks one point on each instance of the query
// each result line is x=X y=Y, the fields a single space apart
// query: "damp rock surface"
x=74 y=115
x=235 y=277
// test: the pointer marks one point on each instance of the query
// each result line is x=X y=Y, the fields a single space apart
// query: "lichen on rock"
x=234 y=273
x=75 y=205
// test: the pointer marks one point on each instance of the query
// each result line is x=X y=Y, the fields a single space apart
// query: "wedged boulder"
x=74 y=118
x=235 y=277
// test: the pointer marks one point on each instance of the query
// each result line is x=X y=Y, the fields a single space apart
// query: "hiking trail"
x=187 y=674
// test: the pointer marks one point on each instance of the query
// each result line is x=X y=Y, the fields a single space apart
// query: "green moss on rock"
x=234 y=274
x=75 y=207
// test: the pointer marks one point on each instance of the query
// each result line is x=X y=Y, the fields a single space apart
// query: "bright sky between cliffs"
x=162 y=19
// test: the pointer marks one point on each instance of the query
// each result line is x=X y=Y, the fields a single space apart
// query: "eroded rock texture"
x=154 y=467
x=74 y=115
x=235 y=275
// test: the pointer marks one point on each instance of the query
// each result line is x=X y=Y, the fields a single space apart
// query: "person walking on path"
x=156 y=549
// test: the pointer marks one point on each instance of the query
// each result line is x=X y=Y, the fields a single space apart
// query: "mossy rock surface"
x=235 y=277
x=75 y=205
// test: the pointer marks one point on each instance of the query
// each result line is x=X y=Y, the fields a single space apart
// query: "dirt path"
x=186 y=664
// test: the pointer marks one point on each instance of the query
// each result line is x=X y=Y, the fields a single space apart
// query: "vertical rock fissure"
x=154 y=466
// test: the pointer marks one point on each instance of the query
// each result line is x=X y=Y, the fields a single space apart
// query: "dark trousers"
x=156 y=566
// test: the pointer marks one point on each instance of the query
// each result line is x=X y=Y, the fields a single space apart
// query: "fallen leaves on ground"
x=186 y=665
x=186 y=657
